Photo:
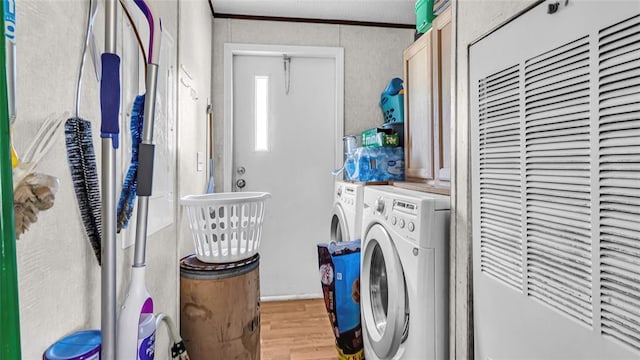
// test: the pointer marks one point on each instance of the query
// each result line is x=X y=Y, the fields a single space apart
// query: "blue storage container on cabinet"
x=392 y=108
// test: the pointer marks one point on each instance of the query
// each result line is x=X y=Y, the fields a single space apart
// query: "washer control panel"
x=410 y=215
x=403 y=216
x=347 y=196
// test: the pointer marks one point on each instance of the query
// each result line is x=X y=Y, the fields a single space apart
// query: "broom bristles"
x=84 y=174
x=128 y=194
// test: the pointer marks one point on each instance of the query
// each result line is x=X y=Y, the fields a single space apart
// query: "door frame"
x=235 y=49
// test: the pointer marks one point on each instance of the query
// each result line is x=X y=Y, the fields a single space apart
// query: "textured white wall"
x=372 y=57
x=194 y=57
x=473 y=19
x=58 y=274
x=59 y=279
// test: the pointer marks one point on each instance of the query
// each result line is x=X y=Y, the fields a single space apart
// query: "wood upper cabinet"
x=418 y=110
x=442 y=46
x=427 y=73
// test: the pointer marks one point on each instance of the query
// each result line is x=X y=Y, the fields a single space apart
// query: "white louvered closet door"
x=555 y=136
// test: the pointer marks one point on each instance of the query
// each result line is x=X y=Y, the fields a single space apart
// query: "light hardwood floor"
x=296 y=330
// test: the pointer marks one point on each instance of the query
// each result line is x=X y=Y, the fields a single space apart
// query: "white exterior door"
x=284 y=142
x=555 y=119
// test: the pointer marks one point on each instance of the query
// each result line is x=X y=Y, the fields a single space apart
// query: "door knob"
x=240 y=183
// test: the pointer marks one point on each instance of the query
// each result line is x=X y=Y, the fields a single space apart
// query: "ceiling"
x=383 y=11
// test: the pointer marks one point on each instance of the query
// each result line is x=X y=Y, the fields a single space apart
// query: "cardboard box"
x=378 y=137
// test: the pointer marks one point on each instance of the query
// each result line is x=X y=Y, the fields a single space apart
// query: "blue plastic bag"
x=377 y=164
x=339 y=265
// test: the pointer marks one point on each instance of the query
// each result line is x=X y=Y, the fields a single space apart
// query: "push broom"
x=9 y=316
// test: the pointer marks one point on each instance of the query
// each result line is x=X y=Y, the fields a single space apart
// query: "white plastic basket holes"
x=225 y=227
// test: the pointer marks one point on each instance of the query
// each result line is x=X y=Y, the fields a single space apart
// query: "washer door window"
x=339 y=230
x=384 y=293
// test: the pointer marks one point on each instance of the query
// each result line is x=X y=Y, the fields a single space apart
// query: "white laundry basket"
x=226 y=227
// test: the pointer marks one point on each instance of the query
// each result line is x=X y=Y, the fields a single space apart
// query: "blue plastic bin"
x=392 y=108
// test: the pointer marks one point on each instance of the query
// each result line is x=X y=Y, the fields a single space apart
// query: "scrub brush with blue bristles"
x=128 y=194
x=127 y=199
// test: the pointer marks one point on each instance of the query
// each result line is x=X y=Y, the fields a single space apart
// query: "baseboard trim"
x=290 y=297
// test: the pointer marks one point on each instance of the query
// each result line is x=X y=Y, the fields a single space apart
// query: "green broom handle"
x=9 y=307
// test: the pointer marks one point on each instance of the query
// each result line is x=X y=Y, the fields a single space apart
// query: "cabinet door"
x=418 y=110
x=441 y=38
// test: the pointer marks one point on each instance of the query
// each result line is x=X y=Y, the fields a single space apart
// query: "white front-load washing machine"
x=346 y=219
x=404 y=274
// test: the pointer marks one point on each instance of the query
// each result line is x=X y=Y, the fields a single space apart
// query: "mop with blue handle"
x=137 y=310
x=136 y=328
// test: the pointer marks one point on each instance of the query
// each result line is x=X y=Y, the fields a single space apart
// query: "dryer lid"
x=339 y=226
x=383 y=293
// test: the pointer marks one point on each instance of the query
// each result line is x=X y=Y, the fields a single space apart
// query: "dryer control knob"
x=379 y=205
x=339 y=192
x=401 y=224
x=411 y=226
x=394 y=220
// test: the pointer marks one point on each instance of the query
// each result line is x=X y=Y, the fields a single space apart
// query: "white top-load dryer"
x=346 y=218
x=404 y=274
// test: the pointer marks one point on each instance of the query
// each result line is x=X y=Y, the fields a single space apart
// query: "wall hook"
x=287 y=73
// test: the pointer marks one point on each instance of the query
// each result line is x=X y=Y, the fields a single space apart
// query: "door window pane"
x=262 y=113
x=379 y=290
